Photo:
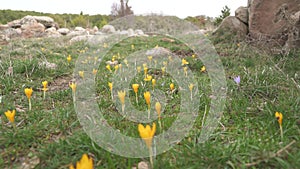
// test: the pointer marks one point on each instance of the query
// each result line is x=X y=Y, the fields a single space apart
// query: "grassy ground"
x=50 y=135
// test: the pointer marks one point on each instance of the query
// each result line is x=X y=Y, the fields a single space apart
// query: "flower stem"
x=44 y=94
x=29 y=102
x=14 y=126
x=191 y=96
x=74 y=97
x=150 y=155
x=159 y=122
x=136 y=98
x=281 y=132
x=149 y=111
x=123 y=108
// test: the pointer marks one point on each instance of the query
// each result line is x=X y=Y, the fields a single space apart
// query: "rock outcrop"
x=275 y=23
x=272 y=20
x=27 y=27
x=242 y=14
x=233 y=26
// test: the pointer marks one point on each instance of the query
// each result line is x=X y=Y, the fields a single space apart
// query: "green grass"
x=50 y=135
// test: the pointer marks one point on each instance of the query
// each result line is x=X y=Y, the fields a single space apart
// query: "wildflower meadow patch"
x=117 y=101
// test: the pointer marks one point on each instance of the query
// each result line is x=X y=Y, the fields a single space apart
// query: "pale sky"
x=180 y=8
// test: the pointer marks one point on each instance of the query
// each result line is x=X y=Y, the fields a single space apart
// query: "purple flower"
x=237 y=80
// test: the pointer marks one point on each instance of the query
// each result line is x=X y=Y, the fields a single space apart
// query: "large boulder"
x=108 y=29
x=12 y=33
x=52 y=32
x=14 y=24
x=270 y=20
x=242 y=14
x=63 y=31
x=233 y=26
x=32 y=30
x=45 y=20
x=3 y=27
x=28 y=20
x=78 y=28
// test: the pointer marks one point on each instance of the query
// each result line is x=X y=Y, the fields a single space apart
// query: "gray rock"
x=3 y=27
x=77 y=33
x=13 y=33
x=143 y=165
x=28 y=20
x=95 y=29
x=47 y=65
x=79 y=29
x=15 y=24
x=63 y=31
x=45 y=20
x=52 y=32
x=139 y=32
x=130 y=32
x=270 y=20
x=123 y=32
x=80 y=38
x=108 y=29
x=233 y=25
x=33 y=29
x=242 y=14
x=99 y=33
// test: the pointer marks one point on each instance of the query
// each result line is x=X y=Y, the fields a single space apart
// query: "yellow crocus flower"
x=279 y=117
x=158 y=108
x=108 y=67
x=45 y=85
x=73 y=86
x=69 y=58
x=145 y=70
x=10 y=115
x=185 y=71
x=191 y=86
x=184 y=62
x=28 y=92
x=121 y=95
x=147 y=133
x=139 y=68
x=116 y=68
x=135 y=87
x=163 y=70
x=95 y=71
x=172 y=86
x=203 y=69
x=147 y=97
x=153 y=83
x=148 y=78
x=84 y=163
x=81 y=74
x=110 y=85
